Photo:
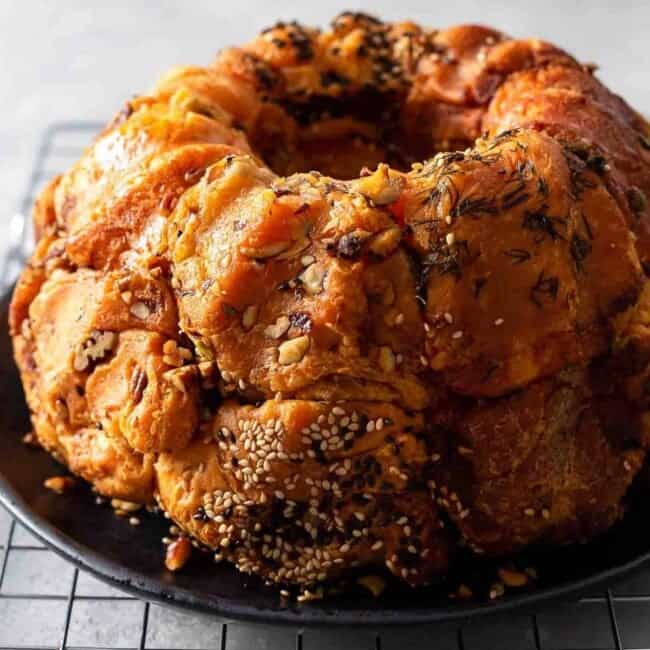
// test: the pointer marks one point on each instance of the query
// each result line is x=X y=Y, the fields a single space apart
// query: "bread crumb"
x=178 y=553
x=59 y=484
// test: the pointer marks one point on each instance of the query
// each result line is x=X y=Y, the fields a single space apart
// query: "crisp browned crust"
x=312 y=371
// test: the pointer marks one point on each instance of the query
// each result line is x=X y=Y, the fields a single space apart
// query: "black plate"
x=131 y=558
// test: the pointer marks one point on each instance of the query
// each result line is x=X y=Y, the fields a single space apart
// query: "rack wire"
x=47 y=603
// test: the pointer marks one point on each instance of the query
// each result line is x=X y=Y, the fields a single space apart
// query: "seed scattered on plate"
x=59 y=484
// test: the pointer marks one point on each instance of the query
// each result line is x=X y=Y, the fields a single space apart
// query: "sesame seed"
x=499 y=321
x=448 y=317
x=450 y=238
x=457 y=335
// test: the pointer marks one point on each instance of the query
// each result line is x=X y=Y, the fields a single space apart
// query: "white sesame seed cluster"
x=313 y=500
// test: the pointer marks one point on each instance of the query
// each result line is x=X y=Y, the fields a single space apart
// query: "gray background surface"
x=73 y=60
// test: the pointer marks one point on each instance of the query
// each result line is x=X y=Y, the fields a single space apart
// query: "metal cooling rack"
x=47 y=603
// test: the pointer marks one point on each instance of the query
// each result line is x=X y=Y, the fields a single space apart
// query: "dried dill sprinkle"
x=479 y=283
x=502 y=137
x=545 y=286
x=515 y=197
x=576 y=162
x=525 y=170
x=228 y=310
x=542 y=186
x=593 y=160
x=444 y=187
x=636 y=199
x=447 y=260
x=579 y=248
x=450 y=157
x=479 y=205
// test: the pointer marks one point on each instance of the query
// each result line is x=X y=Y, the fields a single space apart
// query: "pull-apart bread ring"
x=351 y=299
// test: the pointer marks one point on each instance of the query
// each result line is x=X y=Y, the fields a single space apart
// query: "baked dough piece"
x=342 y=299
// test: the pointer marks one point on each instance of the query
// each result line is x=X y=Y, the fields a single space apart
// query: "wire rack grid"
x=47 y=603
